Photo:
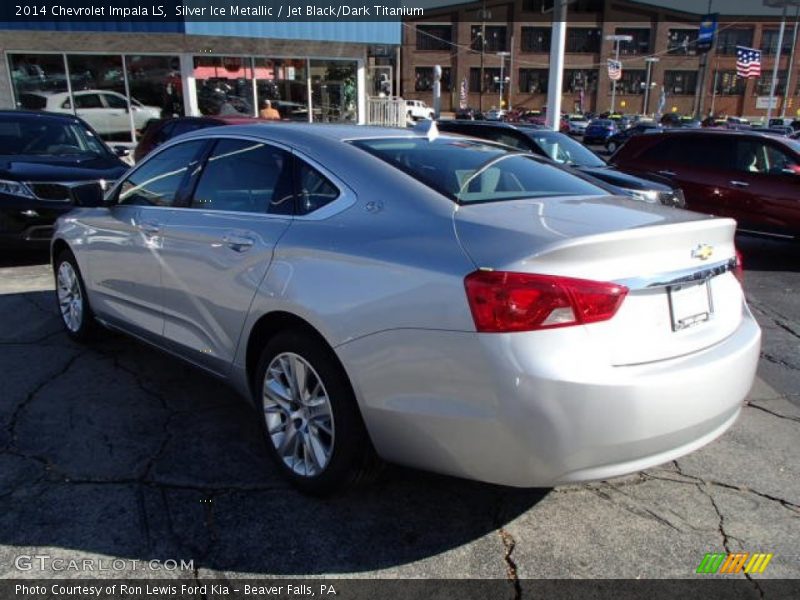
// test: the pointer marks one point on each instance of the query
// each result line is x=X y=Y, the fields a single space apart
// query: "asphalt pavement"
x=119 y=455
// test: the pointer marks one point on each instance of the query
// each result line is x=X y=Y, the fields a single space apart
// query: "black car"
x=564 y=150
x=47 y=160
x=619 y=138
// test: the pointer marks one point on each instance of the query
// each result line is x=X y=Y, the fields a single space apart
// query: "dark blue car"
x=46 y=161
x=599 y=130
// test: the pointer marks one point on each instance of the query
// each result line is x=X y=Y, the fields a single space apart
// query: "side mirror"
x=122 y=151
x=88 y=195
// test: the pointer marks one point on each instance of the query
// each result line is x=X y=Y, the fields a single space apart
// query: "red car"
x=749 y=176
x=159 y=131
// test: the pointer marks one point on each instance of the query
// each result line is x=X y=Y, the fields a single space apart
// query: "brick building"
x=452 y=37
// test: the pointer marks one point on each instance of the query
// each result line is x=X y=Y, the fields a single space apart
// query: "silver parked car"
x=436 y=301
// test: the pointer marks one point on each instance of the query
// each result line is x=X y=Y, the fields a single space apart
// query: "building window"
x=156 y=81
x=533 y=81
x=577 y=80
x=764 y=83
x=491 y=80
x=434 y=37
x=284 y=82
x=36 y=79
x=728 y=39
x=728 y=84
x=682 y=41
x=769 y=42
x=495 y=40
x=680 y=83
x=224 y=85
x=423 y=79
x=632 y=82
x=334 y=90
x=584 y=40
x=536 y=39
x=640 y=43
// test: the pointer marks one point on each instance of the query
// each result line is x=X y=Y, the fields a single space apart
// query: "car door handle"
x=238 y=243
x=667 y=173
x=740 y=184
x=149 y=228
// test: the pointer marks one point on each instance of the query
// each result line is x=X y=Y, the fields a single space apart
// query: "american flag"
x=748 y=62
x=614 y=70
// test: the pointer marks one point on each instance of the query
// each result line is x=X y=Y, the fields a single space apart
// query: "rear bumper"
x=530 y=410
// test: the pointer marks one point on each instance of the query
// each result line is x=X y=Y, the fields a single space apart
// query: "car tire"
x=319 y=442
x=611 y=147
x=71 y=299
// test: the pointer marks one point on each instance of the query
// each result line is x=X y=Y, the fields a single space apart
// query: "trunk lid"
x=683 y=296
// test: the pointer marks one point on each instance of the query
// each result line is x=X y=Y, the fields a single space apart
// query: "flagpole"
x=777 y=64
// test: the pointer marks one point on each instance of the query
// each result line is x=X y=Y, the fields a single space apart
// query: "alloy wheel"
x=298 y=414
x=70 y=297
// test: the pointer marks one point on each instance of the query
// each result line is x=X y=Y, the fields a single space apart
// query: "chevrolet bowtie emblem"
x=703 y=251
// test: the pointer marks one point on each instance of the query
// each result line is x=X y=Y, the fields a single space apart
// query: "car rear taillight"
x=504 y=302
x=738 y=269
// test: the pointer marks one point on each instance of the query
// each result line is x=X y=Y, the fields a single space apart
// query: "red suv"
x=751 y=177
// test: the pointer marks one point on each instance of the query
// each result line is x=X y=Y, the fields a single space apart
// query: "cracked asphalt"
x=116 y=451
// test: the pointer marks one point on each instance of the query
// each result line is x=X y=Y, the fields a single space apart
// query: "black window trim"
x=112 y=197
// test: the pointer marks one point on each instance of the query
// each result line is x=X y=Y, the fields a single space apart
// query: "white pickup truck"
x=417 y=110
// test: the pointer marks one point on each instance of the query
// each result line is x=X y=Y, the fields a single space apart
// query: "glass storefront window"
x=98 y=91
x=284 y=83
x=224 y=85
x=334 y=89
x=156 y=81
x=39 y=81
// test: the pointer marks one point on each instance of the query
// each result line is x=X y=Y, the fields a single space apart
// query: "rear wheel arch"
x=270 y=325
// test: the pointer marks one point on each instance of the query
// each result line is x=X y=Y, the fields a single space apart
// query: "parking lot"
x=116 y=451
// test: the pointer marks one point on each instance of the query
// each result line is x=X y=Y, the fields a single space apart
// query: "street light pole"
x=650 y=60
x=791 y=63
x=617 y=39
x=776 y=66
x=502 y=56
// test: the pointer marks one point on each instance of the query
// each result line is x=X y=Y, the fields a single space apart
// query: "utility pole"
x=502 y=56
x=775 y=67
x=701 y=84
x=791 y=63
x=484 y=14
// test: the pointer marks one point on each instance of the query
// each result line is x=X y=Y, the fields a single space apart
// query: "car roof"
x=293 y=133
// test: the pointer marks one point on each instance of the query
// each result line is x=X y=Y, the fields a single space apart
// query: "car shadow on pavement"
x=118 y=450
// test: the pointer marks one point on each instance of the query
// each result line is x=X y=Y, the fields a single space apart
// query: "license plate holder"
x=689 y=305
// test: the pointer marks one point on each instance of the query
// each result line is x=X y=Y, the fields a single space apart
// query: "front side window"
x=158 y=180
x=246 y=176
x=115 y=101
x=565 y=150
x=468 y=171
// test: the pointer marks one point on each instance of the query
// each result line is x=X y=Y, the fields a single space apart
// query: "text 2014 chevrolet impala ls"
x=435 y=301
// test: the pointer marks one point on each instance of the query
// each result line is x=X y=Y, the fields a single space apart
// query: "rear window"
x=469 y=171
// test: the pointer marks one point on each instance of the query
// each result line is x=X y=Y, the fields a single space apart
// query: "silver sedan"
x=434 y=301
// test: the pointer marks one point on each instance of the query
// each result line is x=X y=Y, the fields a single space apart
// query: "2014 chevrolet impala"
x=435 y=301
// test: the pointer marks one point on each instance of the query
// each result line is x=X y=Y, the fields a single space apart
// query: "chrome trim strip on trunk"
x=691 y=275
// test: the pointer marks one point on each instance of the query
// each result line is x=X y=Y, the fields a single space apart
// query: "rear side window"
x=158 y=180
x=246 y=176
x=88 y=101
x=708 y=152
x=314 y=190
x=469 y=171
